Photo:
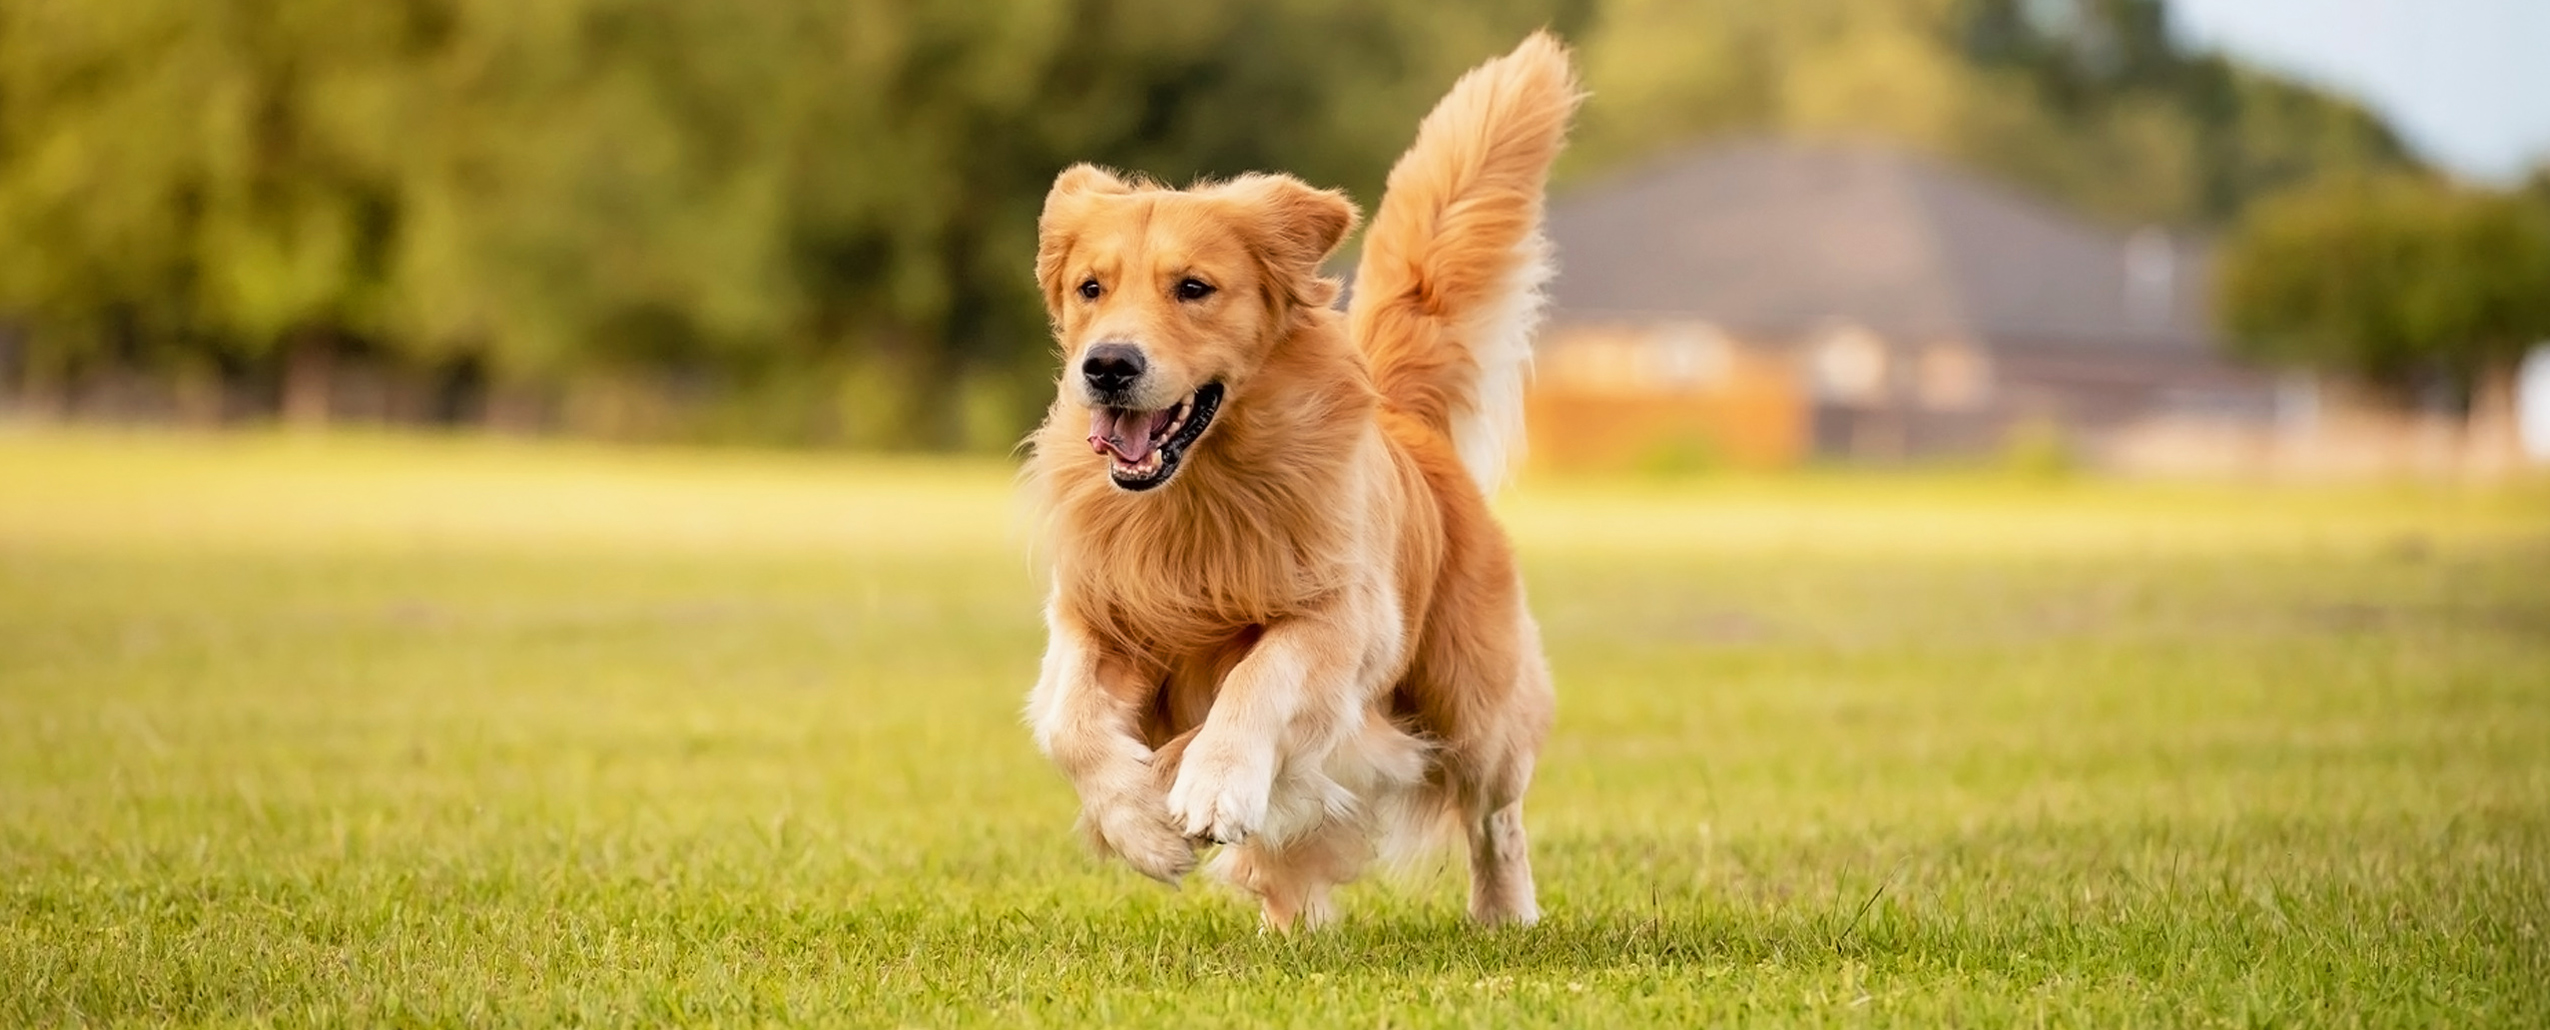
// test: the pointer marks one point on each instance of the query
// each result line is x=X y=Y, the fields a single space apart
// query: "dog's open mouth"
x=1145 y=447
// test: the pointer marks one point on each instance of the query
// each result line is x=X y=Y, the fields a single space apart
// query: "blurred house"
x=1765 y=303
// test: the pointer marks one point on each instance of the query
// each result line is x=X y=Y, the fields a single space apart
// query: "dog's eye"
x=1090 y=289
x=1194 y=289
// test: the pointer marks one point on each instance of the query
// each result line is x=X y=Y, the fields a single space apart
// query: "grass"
x=383 y=732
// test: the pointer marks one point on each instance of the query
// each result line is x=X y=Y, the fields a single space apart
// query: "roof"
x=1782 y=238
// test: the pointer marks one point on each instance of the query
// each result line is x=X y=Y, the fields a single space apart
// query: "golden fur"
x=1311 y=637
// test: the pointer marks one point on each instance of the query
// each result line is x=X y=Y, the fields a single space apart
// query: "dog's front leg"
x=1299 y=693
x=1084 y=711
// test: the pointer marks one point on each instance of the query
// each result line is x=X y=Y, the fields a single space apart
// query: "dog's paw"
x=1221 y=793
x=1137 y=830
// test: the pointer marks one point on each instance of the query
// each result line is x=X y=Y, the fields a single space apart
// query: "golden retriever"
x=1282 y=619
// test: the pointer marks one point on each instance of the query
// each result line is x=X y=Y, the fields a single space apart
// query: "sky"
x=2466 y=82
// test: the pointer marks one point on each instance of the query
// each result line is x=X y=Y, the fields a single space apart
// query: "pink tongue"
x=1128 y=433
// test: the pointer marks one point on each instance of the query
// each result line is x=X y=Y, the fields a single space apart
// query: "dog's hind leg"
x=1501 y=889
x=1489 y=776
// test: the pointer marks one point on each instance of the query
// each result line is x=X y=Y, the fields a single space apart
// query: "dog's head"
x=1166 y=302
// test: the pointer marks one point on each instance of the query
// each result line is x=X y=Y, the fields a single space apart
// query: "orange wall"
x=1756 y=418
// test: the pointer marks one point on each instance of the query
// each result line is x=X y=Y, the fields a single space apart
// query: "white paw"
x=1221 y=793
x=1136 y=829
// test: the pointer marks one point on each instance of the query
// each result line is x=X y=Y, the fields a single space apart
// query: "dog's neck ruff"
x=1250 y=531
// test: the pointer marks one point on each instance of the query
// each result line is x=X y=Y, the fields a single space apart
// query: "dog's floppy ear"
x=1055 y=228
x=1294 y=229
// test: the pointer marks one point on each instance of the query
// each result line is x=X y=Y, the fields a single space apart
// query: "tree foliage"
x=2406 y=280
x=820 y=211
x=538 y=191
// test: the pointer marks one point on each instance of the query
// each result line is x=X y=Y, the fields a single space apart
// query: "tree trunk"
x=515 y=409
x=46 y=377
x=309 y=367
x=15 y=379
x=2492 y=447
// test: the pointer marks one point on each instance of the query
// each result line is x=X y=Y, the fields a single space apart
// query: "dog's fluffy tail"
x=1449 y=290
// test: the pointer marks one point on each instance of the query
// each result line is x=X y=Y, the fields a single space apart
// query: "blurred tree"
x=823 y=203
x=2538 y=183
x=96 y=125
x=2407 y=281
x=811 y=218
x=187 y=183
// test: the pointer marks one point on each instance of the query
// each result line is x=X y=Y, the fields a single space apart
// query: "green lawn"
x=379 y=731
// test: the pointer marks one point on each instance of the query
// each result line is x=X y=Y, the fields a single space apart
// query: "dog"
x=1282 y=619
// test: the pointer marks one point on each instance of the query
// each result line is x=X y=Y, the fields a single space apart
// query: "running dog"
x=1282 y=619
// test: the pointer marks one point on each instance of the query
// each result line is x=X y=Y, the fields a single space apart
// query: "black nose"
x=1110 y=367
